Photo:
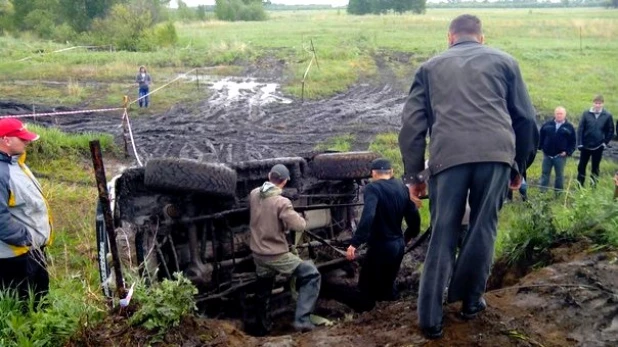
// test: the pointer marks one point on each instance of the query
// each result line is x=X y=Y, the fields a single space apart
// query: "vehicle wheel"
x=340 y=166
x=259 y=169
x=184 y=175
x=253 y=173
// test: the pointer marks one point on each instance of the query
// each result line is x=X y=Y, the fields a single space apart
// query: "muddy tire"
x=188 y=176
x=340 y=166
x=252 y=174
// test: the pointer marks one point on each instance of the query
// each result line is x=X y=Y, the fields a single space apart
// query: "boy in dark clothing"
x=595 y=130
x=387 y=203
x=557 y=141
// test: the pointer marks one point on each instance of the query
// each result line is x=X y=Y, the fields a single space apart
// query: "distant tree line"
x=524 y=4
x=124 y=24
x=361 y=7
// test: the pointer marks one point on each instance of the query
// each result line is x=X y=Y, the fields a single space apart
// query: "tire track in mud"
x=244 y=124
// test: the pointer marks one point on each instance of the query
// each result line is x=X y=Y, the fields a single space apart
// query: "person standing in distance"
x=557 y=143
x=472 y=102
x=143 y=81
x=594 y=132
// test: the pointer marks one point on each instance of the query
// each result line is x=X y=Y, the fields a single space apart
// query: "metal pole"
x=581 y=50
x=99 y=172
x=197 y=80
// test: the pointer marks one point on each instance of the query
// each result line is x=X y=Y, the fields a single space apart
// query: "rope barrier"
x=61 y=113
x=125 y=117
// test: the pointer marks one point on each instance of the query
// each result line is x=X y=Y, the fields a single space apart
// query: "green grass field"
x=558 y=67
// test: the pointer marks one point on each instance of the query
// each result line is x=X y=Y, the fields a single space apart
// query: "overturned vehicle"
x=177 y=215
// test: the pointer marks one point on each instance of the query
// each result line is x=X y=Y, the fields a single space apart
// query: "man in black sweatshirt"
x=387 y=203
x=595 y=130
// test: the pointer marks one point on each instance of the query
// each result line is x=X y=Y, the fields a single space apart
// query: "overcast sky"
x=286 y=2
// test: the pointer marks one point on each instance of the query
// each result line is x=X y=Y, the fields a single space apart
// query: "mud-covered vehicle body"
x=176 y=215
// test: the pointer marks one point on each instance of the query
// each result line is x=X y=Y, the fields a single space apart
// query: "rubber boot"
x=263 y=321
x=308 y=281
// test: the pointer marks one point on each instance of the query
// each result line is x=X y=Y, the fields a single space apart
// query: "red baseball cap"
x=11 y=127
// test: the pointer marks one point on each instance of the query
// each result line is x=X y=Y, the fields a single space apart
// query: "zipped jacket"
x=25 y=221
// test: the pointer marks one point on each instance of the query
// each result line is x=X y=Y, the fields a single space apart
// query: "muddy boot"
x=263 y=321
x=308 y=282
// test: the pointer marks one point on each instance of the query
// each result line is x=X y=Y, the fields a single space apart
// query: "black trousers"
x=376 y=281
x=468 y=273
x=25 y=273
x=585 y=156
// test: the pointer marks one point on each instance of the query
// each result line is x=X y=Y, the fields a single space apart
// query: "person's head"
x=14 y=137
x=465 y=27
x=597 y=103
x=142 y=69
x=381 y=169
x=560 y=114
x=279 y=175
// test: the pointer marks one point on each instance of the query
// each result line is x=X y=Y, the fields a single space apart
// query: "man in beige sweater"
x=272 y=216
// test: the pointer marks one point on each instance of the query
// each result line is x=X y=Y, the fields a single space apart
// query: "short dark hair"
x=275 y=178
x=466 y=24
x=598 y=98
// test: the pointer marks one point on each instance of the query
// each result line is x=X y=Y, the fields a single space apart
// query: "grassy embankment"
x=545 y=41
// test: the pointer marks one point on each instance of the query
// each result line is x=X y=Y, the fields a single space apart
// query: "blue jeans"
x=558 y=164
x=142 y=92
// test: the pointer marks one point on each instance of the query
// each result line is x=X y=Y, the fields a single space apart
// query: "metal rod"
x=209 y=228
x=231 y=233
x=162 y=258
x=99 y=171
x=246 y=209
x=324 y=242
x=174 y=253
x=326 y=195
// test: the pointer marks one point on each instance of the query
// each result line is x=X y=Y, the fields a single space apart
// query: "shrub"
x=240 y=10
x=126 y=27
x=166 y=35
x=165 y=304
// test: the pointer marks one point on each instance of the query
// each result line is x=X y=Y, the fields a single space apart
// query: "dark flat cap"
x=381 y=164
x=281 y=171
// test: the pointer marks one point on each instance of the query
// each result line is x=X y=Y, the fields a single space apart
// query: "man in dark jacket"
x=595 y=131
x=557 y=141
x=474 y=105
x=386 y=204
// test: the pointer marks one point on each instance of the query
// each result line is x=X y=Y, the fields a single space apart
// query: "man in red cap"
x=25 y=224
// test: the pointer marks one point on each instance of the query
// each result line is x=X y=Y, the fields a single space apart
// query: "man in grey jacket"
x=272 y=215
x=594 y=132
x=25 y=223
x=472 y=102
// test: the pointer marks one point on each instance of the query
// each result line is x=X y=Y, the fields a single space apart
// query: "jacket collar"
x=5 y=157
x=465 y=42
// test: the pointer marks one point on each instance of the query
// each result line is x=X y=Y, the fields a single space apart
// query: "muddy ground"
x=573 y=302
x=242 y=118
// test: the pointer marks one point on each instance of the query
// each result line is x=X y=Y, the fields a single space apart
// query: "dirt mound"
x=573 y=303
x=192 y=331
